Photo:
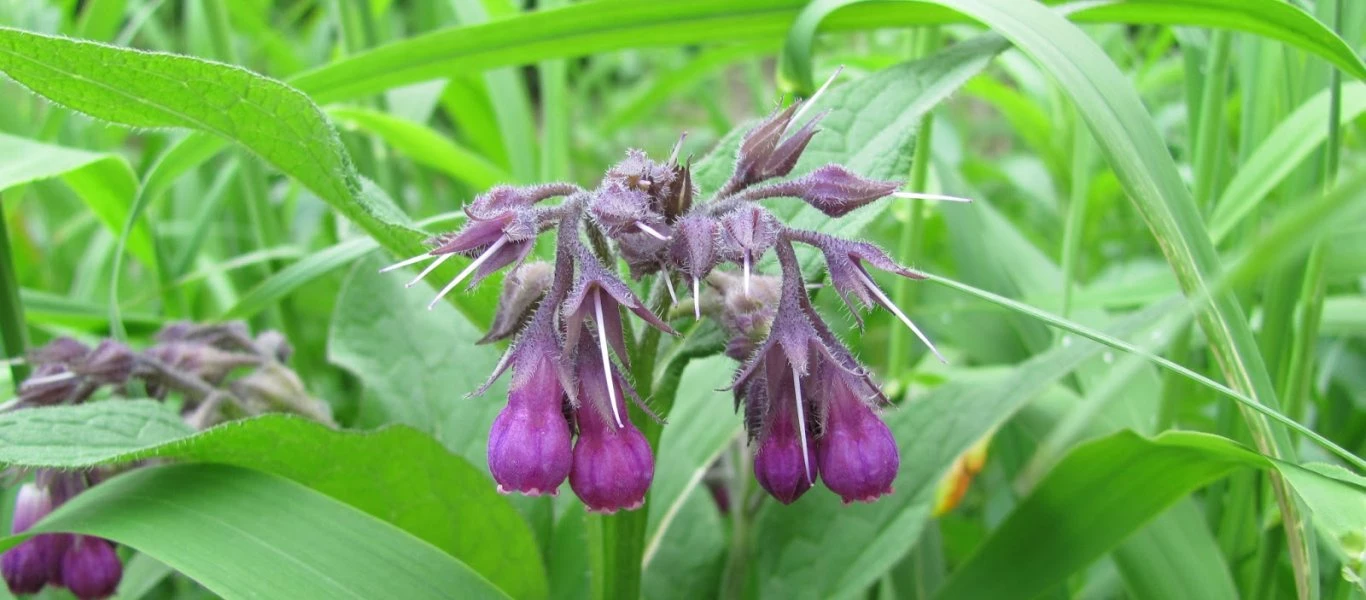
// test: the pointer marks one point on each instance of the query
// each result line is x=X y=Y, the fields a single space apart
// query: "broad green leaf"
x=104 y=181
x=417 y=364
x=1106 y=489
x=1280 y=154
x=141 y=574
x=395 y=474
x=1174 y=555
x=85 y=434
x=248 y=534
x=270 y=118
x=425 y=146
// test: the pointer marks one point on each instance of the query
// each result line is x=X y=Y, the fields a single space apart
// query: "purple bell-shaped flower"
x=529 y=446
x=784 y=464
x=857 y=454
x=91 y=569
x=38 y=560
x=613 y=464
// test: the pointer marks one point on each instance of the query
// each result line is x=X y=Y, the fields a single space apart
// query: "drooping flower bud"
x=37 y=561
x=273 y=386
x=91 y=569
x=746 y=233
x=832 y=189
x=857 y=454
x=694 y=251
x=784 y=462
x=501 y=230
x=599 y=295
x=61 y=351
x=523 y=289
x=844 y=259
x=613 y=465
x=746 y=314
x=529 y=446
x=52 y=384
x=619 y=209
x=110 y=363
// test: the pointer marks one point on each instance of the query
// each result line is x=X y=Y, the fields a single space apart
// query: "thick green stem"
x=908 y=246
x=733 y=579
x=15 y=332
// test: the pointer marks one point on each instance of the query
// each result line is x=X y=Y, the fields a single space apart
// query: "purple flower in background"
x=90 y=568
x=38 y=560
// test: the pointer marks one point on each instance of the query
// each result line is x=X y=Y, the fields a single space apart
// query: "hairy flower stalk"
x=811 y=407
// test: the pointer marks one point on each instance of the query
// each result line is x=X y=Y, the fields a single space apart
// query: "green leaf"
x=1283 y=150
x=1105 y=490
x=425 y=146
x=1129 y=140
x=270 y=118
x=702 y=423
x=592 y=27
x=104 y=181
x=1269 y=18
x=376 y=320
x=283 y=282
x=84 y=434
x=395 y=474
x=247 y=534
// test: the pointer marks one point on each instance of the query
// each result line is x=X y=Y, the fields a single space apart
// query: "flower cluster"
x=220 y=371
x=810 y=406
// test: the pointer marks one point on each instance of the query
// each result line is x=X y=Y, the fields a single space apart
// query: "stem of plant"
x=15 y=332
x=733 y=579
x=909 y=244
x=1207 y=140
x=1313 y=289
x=1082 y=154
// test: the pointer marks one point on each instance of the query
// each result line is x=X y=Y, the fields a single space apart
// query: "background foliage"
x=1152 y=311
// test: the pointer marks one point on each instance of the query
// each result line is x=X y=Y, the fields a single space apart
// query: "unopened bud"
x=523 y=289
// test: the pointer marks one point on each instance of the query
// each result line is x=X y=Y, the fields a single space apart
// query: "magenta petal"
x=91 y=569
x=857 y=454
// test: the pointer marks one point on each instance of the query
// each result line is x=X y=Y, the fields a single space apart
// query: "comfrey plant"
x=219 y=371
x=810 y=407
